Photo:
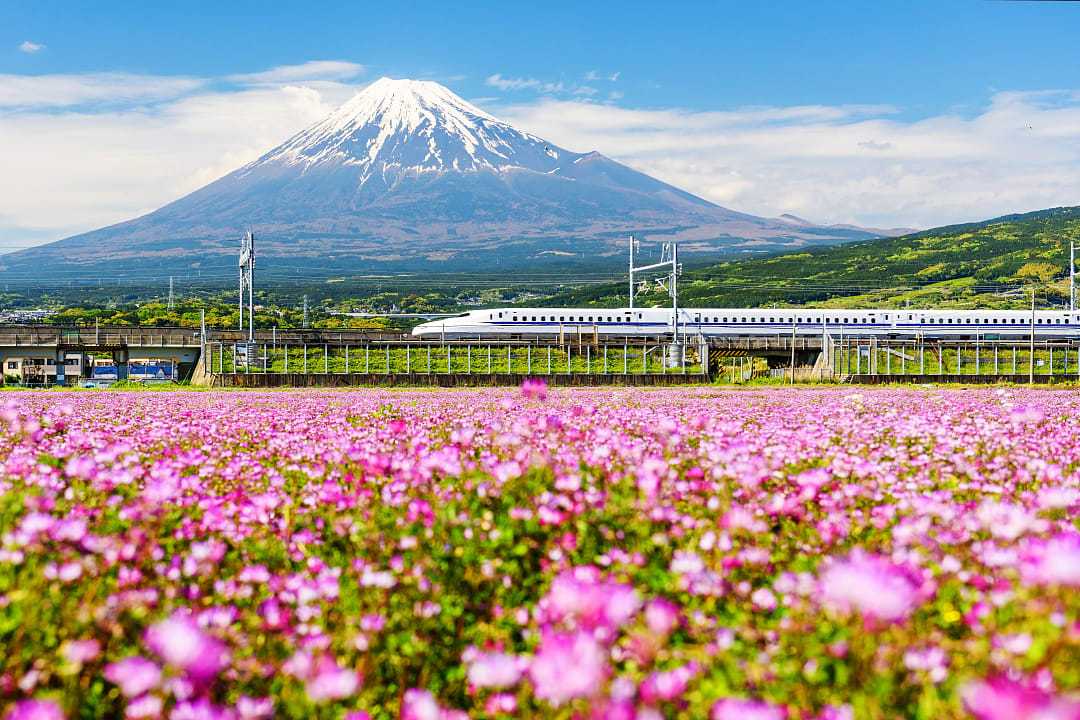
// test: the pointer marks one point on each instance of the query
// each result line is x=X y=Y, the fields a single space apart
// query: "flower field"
x=610 y=554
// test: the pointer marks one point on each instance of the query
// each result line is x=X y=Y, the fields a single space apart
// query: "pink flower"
x=736 y=709
x=419 y=705
x=135 y=675
x=500 y=703
x=79 y=652
x=581 y=595
x=328 y=681
x=494 y=670
x=871 y=585
x=35 y=710
x=567 y=667
x=180 y=642
x=668 y=685
x=250 y=708
x=661 y=616
x=1004 y=699
x=201 y=709
x=1053 y=562
x=534 y=389
x=764 y=599
x=147 y=706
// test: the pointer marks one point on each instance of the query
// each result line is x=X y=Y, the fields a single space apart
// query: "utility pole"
x=632 y=243
x=1031 y=347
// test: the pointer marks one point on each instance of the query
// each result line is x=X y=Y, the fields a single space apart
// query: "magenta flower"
x=1003 y=699
x=501 y=703
x=736 y=709
x=871 y=585
x=534 y=389
x=201 y=709
x=79 y=652
x=667 y=685
x=328 y=681
x=249 y=708
x=581 y=595
x=147 y=706
x=134 y=675
x=181 y=643
x=35 y=710
x=494 y=670
x=1053 y=562
x=421 y=705
x=661 y=616
x=567 y=666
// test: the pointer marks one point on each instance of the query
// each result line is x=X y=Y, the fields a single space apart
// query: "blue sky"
x=923 y=57
x=887 y=113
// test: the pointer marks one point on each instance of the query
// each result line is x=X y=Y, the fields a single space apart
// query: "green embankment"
x=985 y=264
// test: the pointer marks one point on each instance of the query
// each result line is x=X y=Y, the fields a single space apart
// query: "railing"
x=470 y=358
x=18 y=336
x=957 y=359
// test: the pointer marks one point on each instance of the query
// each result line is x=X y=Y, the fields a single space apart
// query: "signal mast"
x=669 y=258
x=247 y=282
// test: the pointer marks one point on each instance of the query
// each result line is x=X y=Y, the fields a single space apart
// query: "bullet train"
x=531 y=322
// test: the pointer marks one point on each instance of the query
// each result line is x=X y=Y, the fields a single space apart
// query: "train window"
x=639 y=316
x=500 y=315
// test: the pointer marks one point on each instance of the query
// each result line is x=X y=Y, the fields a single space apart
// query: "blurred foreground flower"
x=1004 y=699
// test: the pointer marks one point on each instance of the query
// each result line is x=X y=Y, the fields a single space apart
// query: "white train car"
x=734 y=322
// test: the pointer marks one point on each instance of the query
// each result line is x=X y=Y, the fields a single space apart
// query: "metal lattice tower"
x=247 y=282
x=1072 y=276
x=669 y=257
x=170 y=304
x=305 y=312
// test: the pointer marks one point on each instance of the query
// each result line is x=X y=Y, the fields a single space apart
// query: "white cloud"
x=72 y=170
x=593 y=76
x=311 y=70
x=82 y=151
x=505 y=83
x=37 y=91
x=855 y=163
x=30 y=48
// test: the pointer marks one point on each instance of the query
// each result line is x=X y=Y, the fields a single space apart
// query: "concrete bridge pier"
x=120 y=358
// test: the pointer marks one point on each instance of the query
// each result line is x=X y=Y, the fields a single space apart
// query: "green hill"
x=984 y=264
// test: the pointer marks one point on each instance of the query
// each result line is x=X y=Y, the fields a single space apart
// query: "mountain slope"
x=407 y=175
x=985 y=264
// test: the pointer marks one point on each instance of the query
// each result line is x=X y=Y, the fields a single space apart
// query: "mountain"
x=982 y=264
x=880 y=232
x=407 y=176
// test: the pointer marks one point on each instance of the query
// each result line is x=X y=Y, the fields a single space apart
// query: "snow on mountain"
x=407 y=175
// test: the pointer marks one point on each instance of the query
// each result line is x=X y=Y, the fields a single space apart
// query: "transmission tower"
x=170 y=305
x=305 y=312
x=247 y=282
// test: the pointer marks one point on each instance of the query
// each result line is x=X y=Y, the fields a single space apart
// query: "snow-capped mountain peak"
x=407 y=127
x=407 y=175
